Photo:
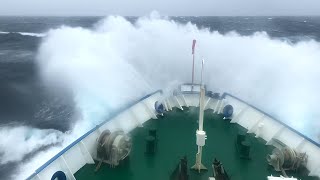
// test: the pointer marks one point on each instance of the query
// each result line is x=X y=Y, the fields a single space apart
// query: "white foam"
x=17 y=142
x=26 y=33
x=32 y=34
x=117 y=62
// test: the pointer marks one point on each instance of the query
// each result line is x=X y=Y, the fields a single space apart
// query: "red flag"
x=193 y=45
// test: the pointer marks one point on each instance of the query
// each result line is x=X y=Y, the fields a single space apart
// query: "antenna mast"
x=200 y=134
x=193 y=48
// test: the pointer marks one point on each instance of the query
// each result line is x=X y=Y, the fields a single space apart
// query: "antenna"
x=200 y=134
x=193 y=48
x=202 y=69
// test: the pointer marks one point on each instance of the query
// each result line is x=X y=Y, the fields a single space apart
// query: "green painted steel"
x=176 y=138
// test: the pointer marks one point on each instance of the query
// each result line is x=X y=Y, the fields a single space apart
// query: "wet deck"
x=176 y=138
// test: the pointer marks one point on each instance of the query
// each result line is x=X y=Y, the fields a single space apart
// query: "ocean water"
x=59 y=76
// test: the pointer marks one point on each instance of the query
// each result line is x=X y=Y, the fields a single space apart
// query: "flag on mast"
x=193 y=45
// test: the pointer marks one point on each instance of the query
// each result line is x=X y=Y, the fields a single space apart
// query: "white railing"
x=83 y=150
x=255 y=121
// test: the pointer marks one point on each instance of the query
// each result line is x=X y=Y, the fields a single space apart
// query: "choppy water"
x=27 y=101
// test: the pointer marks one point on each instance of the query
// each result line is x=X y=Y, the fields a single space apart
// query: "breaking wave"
x=17 y=142
x=25 y=33
x=118 y=61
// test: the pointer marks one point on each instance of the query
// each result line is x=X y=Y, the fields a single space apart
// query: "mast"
x=201 y=100
x=193 y=48
x=200 y=134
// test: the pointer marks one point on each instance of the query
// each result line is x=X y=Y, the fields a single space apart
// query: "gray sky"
x=165 y=7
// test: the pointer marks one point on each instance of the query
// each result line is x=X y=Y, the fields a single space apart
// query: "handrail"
x=287 y=126
x=86 y=134
x=137 y=101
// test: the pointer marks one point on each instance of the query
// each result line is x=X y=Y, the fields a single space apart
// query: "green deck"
x=176 y=138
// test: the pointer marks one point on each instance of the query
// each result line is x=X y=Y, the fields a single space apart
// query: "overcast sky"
x=165 y=7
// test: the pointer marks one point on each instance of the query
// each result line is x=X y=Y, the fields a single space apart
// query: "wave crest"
x=117 y=61
x=25 y=33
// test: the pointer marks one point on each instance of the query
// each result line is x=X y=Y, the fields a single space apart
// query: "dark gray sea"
x=26 y=101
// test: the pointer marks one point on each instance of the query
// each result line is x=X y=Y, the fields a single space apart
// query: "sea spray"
x=117 y=62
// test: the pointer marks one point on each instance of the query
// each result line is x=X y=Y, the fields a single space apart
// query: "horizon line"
x=29 y=15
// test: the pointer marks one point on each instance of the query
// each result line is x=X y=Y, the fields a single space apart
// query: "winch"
x=113 y=147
